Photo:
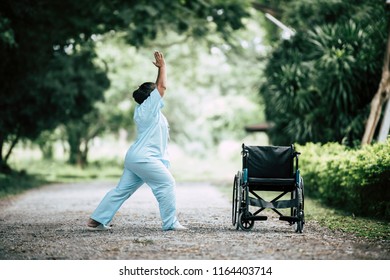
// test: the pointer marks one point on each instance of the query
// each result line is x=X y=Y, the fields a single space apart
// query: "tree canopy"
x=320 y=82
x=316 y=86
x=34 y=34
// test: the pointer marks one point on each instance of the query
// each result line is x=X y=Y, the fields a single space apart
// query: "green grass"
x=47 y=172
x=60 y=171
x=17 y=182
x=346 y=222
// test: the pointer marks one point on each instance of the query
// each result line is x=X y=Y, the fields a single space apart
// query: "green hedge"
x=355 y=180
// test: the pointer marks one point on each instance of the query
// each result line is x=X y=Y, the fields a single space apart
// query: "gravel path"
x=49 y=223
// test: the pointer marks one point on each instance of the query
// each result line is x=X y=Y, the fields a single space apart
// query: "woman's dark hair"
x=143 y=92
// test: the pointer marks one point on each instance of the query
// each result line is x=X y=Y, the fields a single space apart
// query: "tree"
x=77 y=75
x=37 y=33
x=380 y=97
x=320 y=82
x=32 y=33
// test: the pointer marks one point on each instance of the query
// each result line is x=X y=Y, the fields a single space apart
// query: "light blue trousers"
x=157 y=176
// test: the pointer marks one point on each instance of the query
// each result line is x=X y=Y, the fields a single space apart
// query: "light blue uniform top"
x=152 y=131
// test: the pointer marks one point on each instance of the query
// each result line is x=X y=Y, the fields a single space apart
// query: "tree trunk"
x=74 y=147
x=385 y=125
x=2 y=163
x=4 y=167
x=77 y=155
x=379 y=99
x=84 y=155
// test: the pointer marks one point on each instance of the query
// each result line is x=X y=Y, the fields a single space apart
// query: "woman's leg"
x=157 y=176
x=114 y=199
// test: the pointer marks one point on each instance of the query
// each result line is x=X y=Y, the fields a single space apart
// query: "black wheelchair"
x=272 y=171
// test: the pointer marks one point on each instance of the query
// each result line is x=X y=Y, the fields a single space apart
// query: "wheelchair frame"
x=243 y=188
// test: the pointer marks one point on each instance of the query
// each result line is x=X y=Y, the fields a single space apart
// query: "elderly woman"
x=146 y=160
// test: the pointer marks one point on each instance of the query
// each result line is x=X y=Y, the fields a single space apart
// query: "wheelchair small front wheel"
x=298 y=226
x=245 y=224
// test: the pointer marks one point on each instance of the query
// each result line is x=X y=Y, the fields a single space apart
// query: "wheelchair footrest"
x=258 y=218
x=289 y=219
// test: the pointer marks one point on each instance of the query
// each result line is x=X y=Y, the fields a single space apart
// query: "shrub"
x=356 y=180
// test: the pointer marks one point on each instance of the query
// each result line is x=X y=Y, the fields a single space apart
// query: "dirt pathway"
x=49 y=223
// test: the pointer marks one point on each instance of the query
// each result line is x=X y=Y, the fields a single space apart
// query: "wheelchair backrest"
x=269 y=161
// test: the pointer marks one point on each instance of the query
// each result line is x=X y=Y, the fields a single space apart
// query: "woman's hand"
x=160 y=62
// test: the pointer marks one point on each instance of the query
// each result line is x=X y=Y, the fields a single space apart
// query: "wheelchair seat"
x=271 y=184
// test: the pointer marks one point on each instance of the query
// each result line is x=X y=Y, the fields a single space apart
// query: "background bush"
x=355 y=180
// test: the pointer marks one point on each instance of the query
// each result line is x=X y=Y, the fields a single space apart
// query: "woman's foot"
x=179 y=227
x=94 y=225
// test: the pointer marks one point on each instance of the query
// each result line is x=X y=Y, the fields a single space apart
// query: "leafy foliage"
x=319 y=84
x=34 y=34
x=356 y=180
x=146 y=19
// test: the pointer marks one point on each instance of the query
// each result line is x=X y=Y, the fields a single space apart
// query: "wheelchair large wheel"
x=235 y=201
x=245 y=224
